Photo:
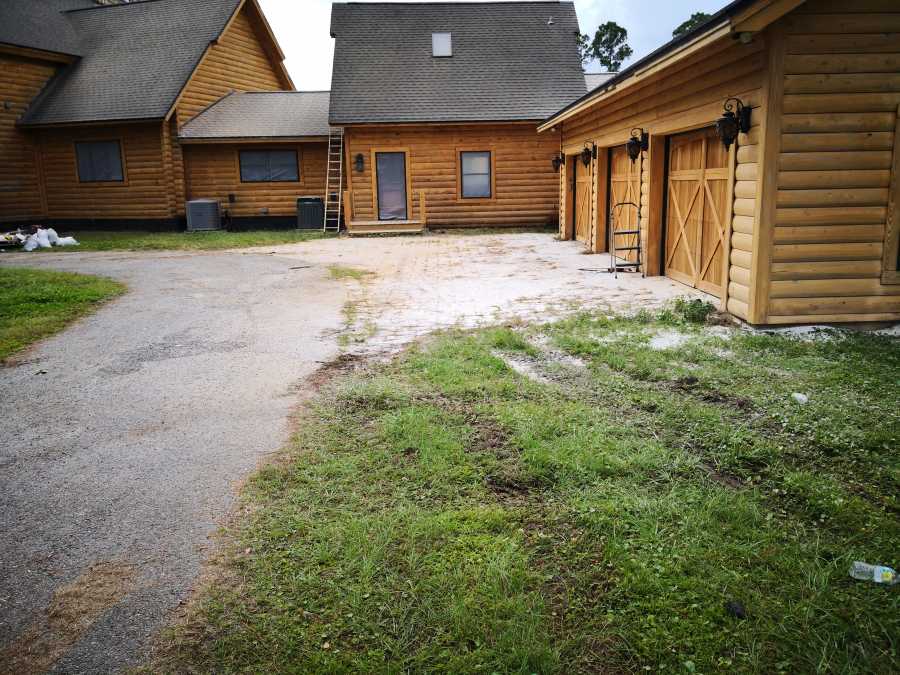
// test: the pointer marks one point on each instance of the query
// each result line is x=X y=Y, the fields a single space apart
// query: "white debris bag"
x=52 y=236
x=66 y=241
x=43 y=238
x=31 y=243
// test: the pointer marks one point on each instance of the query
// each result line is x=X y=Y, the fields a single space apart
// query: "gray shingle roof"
x=508 y=63
x=264 y=114
x=593 y=80
x=136 y=58
x=40 y=24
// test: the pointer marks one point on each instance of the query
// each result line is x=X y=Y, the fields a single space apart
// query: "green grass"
x=38 y=303
x=442 y=513
x=342 y=272
x=184 y=241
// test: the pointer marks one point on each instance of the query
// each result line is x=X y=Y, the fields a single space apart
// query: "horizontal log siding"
x=743 y=220
x=842 y=89
x=526 y=186
x=145 y=193
x=237 y=62
x=21 y=80
x=214 y=172
x=685 y=96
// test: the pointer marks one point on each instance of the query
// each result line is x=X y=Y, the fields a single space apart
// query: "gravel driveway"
x=126 y=436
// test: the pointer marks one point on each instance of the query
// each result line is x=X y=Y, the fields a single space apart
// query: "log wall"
x=213 y=172
x=238 y=61
x=144 y=194
x=838 y=156
x=526 y=186
x=21 y=79
x=743 y=222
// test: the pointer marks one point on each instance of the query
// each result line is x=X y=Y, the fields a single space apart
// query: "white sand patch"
x=668 y=339
x=724 y=332
x=893 y=331
x=808 y=333
x=522 y=365
x=542 y=342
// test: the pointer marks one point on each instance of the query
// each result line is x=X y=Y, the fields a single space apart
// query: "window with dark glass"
x=475 y=174
x=99 y=161
x=269 y=166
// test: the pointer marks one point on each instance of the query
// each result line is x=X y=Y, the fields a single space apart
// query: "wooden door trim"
x=373 y=156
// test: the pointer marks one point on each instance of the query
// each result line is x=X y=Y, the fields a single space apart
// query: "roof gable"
x=136 y=59
x=511 y=61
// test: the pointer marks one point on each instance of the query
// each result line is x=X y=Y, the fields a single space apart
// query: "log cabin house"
x=257 y=153
x=439 y=104
x=105 y=110
x=797 y=220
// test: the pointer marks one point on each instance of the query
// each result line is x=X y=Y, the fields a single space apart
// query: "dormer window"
x=441 y=44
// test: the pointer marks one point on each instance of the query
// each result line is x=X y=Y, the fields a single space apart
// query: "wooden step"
x=360 y=227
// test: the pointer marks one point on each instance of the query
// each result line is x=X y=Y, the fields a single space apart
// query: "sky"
x=301 y=27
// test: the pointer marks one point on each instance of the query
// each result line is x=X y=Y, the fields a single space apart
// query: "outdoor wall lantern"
x=557 y=162
x=639 y=141
x=589 y=153
x=735 y=119
x=358 y=162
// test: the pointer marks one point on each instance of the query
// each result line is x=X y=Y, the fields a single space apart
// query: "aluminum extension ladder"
x=334 y=180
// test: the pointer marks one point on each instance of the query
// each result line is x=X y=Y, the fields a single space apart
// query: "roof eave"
x=37 y=53
x=90 y=123
x=516 y=120
x=211 y=140
x=740 y=16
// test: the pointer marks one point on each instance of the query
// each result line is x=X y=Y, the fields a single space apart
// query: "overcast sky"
x=301 y=27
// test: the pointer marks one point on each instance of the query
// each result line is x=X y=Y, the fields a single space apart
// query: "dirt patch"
x=724 y=479
x=691 y=385
x=72 y=611
x=341 y=365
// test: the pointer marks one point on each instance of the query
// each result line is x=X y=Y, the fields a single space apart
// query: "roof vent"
x=441 y=44
x=550 y=21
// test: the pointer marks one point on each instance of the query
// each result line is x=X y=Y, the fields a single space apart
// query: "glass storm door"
x=390 y=172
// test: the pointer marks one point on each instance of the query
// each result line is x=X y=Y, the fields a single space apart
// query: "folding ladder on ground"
x=617 y=245
x=334 y=180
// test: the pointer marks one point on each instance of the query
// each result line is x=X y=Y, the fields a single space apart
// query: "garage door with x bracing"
x=696 y=210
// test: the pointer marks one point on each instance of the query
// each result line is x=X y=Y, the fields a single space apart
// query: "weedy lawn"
x=38 y=303
x=586 y=496
x=183 y=241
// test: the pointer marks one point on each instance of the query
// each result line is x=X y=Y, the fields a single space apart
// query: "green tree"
x=697 y=19
x=608 y=46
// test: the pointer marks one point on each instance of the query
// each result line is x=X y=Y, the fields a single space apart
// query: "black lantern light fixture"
x=640 y=140
x=358 y=162
x=589 y=153
x=735 y=119
x=557 y=162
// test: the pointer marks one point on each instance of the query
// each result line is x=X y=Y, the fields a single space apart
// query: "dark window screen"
x=269 y=166
x=476 y=174
x=99 y=161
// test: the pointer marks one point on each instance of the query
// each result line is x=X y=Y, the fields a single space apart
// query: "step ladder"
x=618 y=263
x=334 y=180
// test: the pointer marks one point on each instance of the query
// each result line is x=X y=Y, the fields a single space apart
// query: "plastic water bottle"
x=877 y=573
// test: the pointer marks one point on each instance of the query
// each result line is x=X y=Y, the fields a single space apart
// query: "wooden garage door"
x=697 y=210
x=624 y=195
x=582 y=200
